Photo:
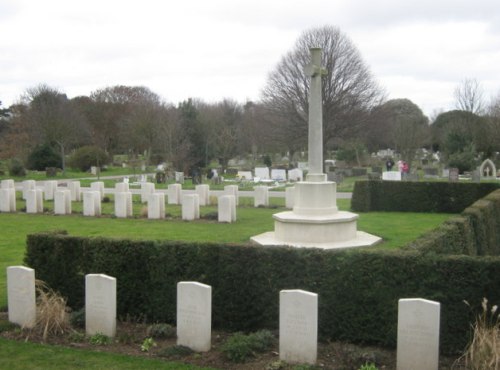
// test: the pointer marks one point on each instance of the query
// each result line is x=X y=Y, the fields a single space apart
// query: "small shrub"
x=161 y=331
x=42 y=157
x=52 y=314
x=368 y=366
x=106 y=199
x=99 y=339
x=176 y=352
x=16 y=168
x=86 y=157
x=239 y=347
x=6 y=326
x=77 y=318
x=147 y=344
x=211 y=216
x=77 y=337
x=483 y=352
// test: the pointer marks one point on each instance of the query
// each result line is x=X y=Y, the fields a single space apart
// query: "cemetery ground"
x=396 y=229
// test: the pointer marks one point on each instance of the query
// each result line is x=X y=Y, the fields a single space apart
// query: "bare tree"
x=469 y=96
x=349 y=90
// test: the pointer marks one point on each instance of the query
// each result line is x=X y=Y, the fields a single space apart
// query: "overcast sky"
x=215 y=49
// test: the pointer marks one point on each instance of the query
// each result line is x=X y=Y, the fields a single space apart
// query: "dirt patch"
x=130 y=336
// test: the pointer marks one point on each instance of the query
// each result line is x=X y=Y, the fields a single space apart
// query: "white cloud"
x=215 y=49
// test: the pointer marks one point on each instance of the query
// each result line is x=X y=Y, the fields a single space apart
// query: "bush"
x=161 y=331
x=42 y=157
x=86 y=157
x=16 y=168
x=240 y=347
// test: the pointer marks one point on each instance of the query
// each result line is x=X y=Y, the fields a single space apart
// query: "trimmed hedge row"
x=405 y=196
x=475 y=232
x=358 y=289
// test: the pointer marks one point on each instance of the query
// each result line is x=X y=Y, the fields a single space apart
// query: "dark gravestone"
x=453 y=175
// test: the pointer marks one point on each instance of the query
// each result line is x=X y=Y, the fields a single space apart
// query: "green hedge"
x=403 y=196
x=358 y=289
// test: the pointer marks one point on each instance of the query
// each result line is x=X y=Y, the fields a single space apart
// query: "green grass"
x=18 y=355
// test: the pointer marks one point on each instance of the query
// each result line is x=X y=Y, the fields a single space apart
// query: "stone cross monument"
x=315 y=143
x=315 y=221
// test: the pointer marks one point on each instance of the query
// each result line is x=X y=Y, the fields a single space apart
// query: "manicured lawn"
x=24 y=356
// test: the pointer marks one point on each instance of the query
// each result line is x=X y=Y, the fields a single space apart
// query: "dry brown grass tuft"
x=483 y=352
x=52 y=314
x=144 y=212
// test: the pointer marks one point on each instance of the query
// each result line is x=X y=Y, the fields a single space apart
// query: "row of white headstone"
x=63 y=196
x=263 y=173
x=418 y=319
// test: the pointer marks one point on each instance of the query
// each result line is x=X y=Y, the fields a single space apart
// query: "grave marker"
x=92 y=203
x=203 y=192
x=98 y=186
x=227 y=208
x=100 y=304
x=418 y=334
x=261 y=196
x=156 y=206
x=49 y=189
x=62 y=202
x=174 y=192
x=194 y=315
x=147 y=188
x=28 y=185
x=21 y=295
x=123 y=204
x=298 y=340
x=190 y=207
x=76 y=191
x=232 y=190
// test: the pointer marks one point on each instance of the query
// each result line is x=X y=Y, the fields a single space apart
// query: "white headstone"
x=93 y=170
x=174 y=192
x=289 y=197
x=190 y=207
x=76 y=191
x=28 y=185
x=245 y=175
x=92 y=203
x=278 y=174
x=50 y=187
x=100 y=304
x=227 y=208
x=147 y=188
x=34 y=201
x=262 y=173
x=418 y=334
x=295 y=174
x=21 y=295
x=62 y=202
x=232 y=190
x=98 y=186
x=156 y=206
x=122 y=187
x=123 y=204
x=179 y=177
x=298 y=326
x=203 y=192
x=261 y=196
x=194 y=315
x=7 y=200
x=7 y=184
x=391 y=175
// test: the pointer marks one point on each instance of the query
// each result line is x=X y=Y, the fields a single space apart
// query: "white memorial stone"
x=21 y=295
x=122 y=187
x=92 y=203
x=7 y=184
x=98 y=186
x=34 y=201
x=7 y=200
x=262 y=173
x=190 y=207
x=278 y=174
x=156 y=206
x=174 y=192
x=62 y=202
x=123 y=204
x=28 y=185
x=391 y=175
x=245 y=175
x=194 y=315
x=147 y=188
x=50 y=187
x=179 y=177
x=203 y=192
x=261 y=196
x=298 y=340
x=290 y=197
x=227 y=208
x=76 y=191
x=232 y=190
x=100 y=304
x=295 y=174
x=418 y=334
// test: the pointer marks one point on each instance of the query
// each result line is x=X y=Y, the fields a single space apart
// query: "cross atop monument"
x=315 y=142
